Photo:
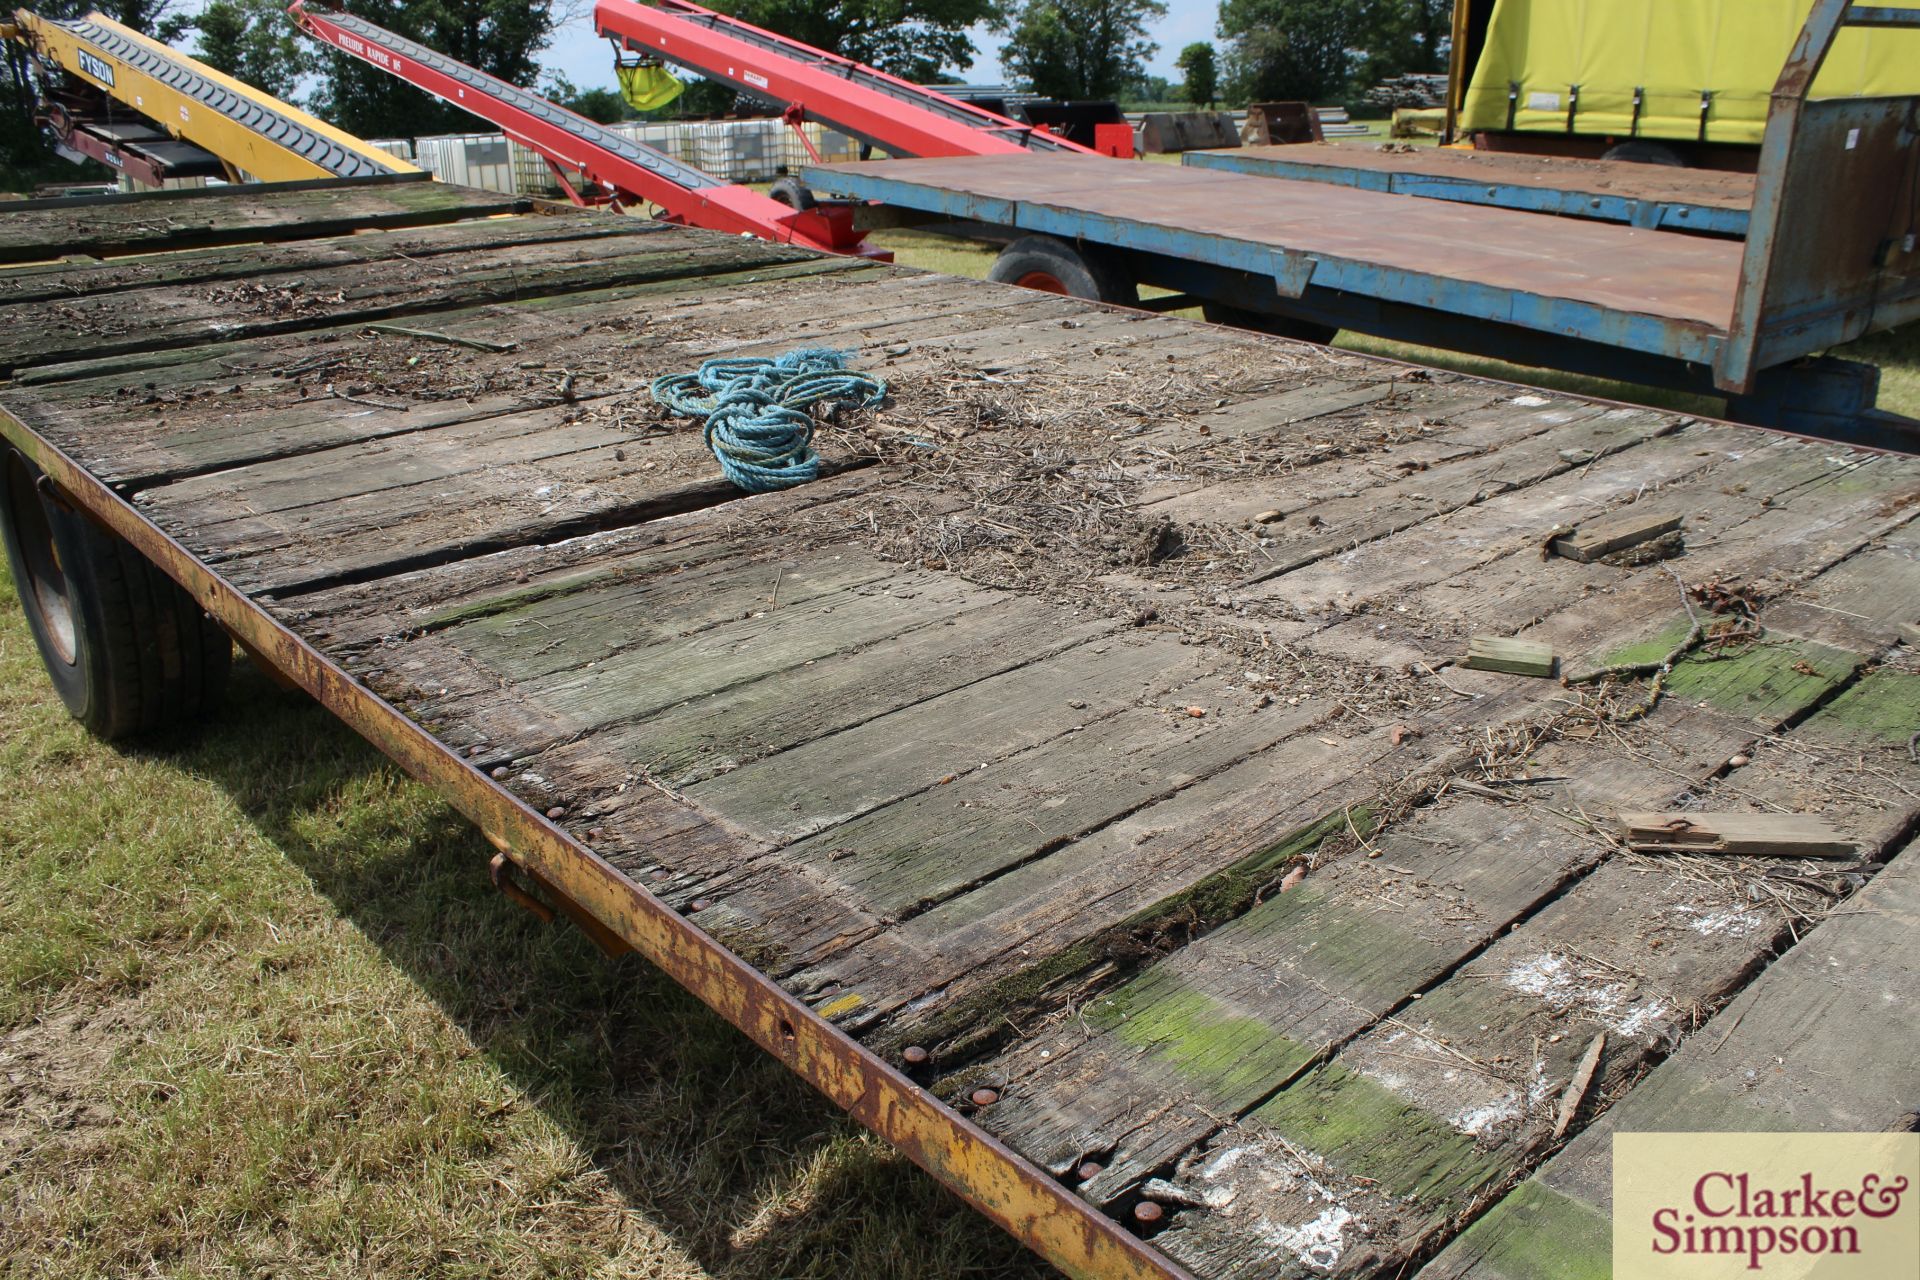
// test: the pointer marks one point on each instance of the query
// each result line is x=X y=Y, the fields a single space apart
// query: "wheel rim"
x=45 y=591
x=1044 y=281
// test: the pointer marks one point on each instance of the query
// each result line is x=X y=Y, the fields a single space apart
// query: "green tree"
x=1197 y=64
x=254 y=41
x=1286 y=50
x=914 y=39
x=1071 y=49
x=604 y=106
x=499 y=37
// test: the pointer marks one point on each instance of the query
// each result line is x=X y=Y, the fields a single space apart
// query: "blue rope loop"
x=759 y=420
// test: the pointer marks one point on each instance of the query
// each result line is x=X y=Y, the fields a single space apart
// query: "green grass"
x=261 y=1014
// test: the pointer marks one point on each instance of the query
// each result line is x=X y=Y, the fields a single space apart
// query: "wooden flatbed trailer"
x=1078 y=783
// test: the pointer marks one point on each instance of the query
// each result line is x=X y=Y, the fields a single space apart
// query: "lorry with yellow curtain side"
x=1666 y=81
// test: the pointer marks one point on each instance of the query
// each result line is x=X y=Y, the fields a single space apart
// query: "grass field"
x=260 y=1015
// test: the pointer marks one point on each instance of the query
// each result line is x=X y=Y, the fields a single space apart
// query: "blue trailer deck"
x=1709 y=201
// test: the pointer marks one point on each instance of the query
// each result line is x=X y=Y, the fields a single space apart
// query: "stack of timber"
x=1097 y=727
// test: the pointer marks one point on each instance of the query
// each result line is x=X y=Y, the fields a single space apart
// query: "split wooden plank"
x=1765 y=1063
x=161 y=220
x=1779 y=835
x=980 y=821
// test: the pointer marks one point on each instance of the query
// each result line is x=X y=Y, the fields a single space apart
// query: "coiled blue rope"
x=757 y=410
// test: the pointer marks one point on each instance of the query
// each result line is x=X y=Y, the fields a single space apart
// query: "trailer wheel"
x=793 y=193
x=1640 y=151
x=128 y=650
x=1054 y=266
x=1266 y=322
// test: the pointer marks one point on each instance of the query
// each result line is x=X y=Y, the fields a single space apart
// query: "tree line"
x=1317 y=50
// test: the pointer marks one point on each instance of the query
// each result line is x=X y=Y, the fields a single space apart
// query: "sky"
x=586 y=60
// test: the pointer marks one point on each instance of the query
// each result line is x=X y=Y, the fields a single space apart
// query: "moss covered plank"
x=1766 y=1062
x=1420 y=1120
x=150 y=222
x=1154 y=1065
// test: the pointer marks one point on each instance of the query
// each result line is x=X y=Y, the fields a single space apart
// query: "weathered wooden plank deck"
x=1096 y=722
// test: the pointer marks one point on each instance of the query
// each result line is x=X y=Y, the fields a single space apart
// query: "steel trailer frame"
x=627 y=171
x=1817 y=269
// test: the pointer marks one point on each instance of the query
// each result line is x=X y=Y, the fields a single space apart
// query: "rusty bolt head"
x=985 y=1097
x=1091 y=1170
x=1147 y=1213
x=499 y=772
x=558 y=812
x=595 y=833
x=658 y=873
x=700 y=904
x=915 y=1055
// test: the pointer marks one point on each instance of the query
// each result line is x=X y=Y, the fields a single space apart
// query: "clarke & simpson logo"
x=1775 y=1205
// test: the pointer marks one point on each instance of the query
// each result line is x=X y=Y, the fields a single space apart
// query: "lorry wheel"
x=793 y=193
x=129 y=651
x=1640 y=151
x=1266 y=322
x=1054 y=266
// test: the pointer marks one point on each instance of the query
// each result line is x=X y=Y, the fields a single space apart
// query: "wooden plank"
x=156 y=318
x=1596 y=538
x=1766 y=1062
x=1515 y=657
x=66 y=280
x=31 y=232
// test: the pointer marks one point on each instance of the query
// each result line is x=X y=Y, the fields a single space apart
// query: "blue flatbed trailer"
x=1832 y=254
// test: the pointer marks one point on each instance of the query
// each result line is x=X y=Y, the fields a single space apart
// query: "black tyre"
x=1265 y=322
x=1640 y=151
x=128 y=650
x=793 y=193
x=1054 y=266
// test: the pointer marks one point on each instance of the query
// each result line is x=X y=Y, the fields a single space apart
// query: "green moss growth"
x=1538 y=1234
x=1370 y=1131
x=1884 y=705
x=1766 y=679
x=1225 y=1056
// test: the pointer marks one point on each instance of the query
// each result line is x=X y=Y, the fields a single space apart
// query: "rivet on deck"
x=985 y=1097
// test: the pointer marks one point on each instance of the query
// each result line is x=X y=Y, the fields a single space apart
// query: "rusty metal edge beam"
x=1002 y=1184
